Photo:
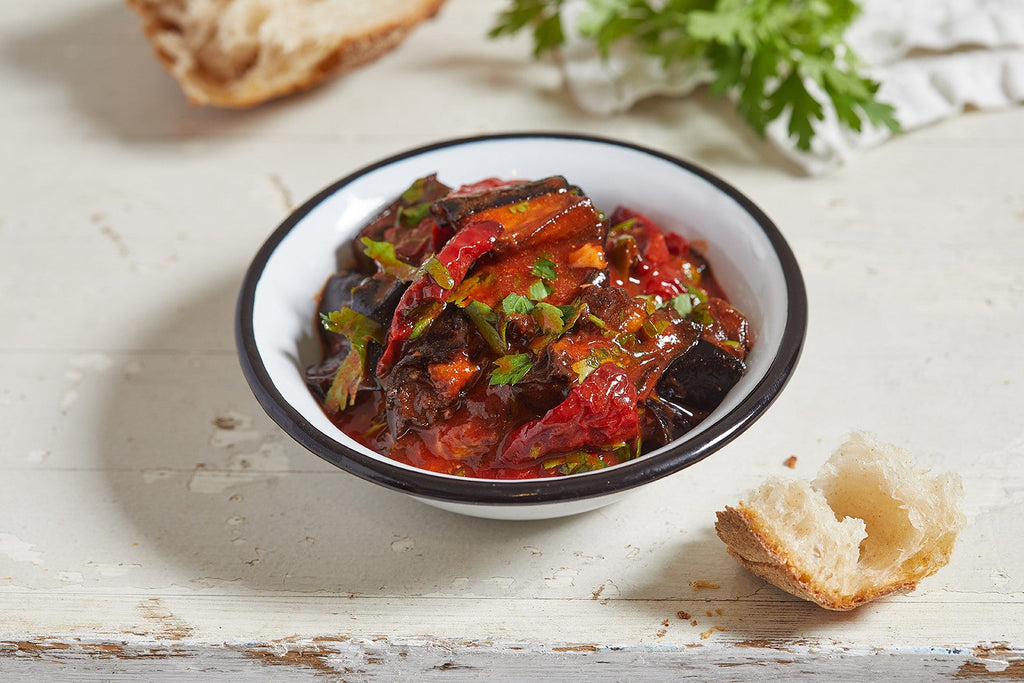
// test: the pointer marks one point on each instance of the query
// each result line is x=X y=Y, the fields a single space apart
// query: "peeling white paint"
x=993 y=665
x=268 y=463
x=561 y=578
x=156 y=474
x=232 y=429
x=37 y=456
x=402 y=545
x=113 y=569
x=18 y=550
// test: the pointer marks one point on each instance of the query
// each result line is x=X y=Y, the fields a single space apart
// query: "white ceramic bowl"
x=749 y=256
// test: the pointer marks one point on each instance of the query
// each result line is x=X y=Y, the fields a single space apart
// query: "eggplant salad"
x=509 y=330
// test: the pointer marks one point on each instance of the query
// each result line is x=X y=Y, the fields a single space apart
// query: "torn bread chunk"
x=238 y=53
x=872 y=523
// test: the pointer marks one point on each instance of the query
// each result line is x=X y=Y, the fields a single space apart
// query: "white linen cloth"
x=933 y=59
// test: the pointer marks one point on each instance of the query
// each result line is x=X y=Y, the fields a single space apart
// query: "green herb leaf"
x=439 y=272
x=358 y=328
x=539 y=290
x=544 y=268
x=485 y=319
x=510 y=369
x=682 y=303
x=384 y=254
x=415 y=192
x=411 y=216
x=701 y=315
x=549 y=318
x=765 y=52
x=345 y=386
x=542 y=15
x=360 y=331
x=516 y=303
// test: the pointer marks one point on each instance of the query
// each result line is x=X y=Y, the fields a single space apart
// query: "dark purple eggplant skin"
x=662 y=422
x=700 y=378
x=375 y=296
x=454 y=210
x=412 y=399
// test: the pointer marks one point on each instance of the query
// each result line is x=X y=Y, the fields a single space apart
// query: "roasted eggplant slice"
x=662 y=422
x=374 y=296
x=453 y=210
x=701 y=378
x=426 y=383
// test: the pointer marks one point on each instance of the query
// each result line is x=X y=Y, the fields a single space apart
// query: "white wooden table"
x=155 y=524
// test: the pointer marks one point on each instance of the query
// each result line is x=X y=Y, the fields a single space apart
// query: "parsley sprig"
x=776 y=57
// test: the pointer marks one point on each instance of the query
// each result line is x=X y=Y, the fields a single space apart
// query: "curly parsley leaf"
x=541 y=15
x=778 y=58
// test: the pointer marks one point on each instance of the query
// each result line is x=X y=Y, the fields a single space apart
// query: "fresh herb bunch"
x=765 y=52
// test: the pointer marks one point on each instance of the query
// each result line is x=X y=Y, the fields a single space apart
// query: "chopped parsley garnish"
x=544 y=268
x=439 y=272
x=539 y=290
x=411 y=216
x=360 y=331
x=510 y=369
x=701 y=315
x=549 y=318
x=416 y=192
x=485 y=319
x=516 y=303
x=384 y=254
x=623 y=226
x=682 y=303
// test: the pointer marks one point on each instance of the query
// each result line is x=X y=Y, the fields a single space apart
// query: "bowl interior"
x=305 y=250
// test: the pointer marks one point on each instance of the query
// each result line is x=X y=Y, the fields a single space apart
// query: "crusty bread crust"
x=201 y=86
x=752 y=544
x=870 y=525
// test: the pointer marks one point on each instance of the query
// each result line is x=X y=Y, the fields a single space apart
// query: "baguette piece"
x=238 y=53
x=871 y=524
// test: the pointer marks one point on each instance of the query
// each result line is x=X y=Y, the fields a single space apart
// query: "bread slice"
x=238 y=53
x=871 y=524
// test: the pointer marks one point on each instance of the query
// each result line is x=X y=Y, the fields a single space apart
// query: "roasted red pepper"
x=602 y=411
x=425 y=297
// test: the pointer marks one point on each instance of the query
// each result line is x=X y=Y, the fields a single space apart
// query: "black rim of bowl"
x=531 y=491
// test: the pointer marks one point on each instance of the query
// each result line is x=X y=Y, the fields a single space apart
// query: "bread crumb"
x=718 y=611
x=790 y=462
x=701 y=583
x=683 y=615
